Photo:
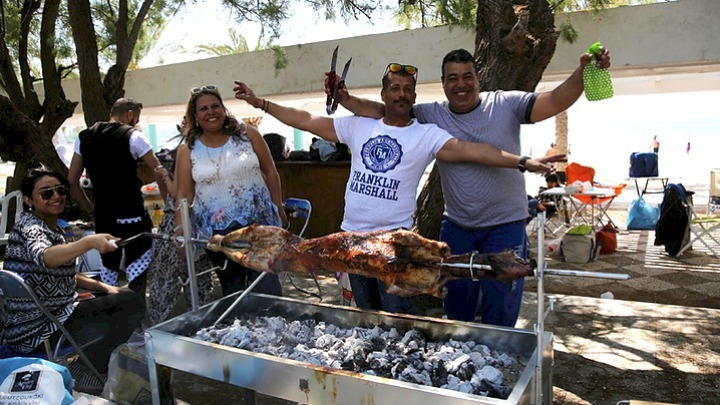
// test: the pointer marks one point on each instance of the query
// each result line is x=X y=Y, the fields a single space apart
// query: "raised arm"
x=268 y=169
x=358 y=106
x=296 y=118
x=456 y=150
x=551 y=103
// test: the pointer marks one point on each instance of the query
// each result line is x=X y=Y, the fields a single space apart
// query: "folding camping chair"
x=297 y=208
x=599 y=199
x=703 y=229
x=12 y=286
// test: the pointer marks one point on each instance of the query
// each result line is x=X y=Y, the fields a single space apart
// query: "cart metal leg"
x=540 y=397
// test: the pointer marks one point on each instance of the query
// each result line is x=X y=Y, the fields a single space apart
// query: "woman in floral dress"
x=226 y=171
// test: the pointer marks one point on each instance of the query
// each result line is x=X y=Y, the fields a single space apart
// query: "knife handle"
x=335 y=102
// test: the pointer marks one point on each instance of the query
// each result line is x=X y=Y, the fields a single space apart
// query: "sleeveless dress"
x=231 y=193
x=229 y=187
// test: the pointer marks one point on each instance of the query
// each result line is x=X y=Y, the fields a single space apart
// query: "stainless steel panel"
x=171 y=344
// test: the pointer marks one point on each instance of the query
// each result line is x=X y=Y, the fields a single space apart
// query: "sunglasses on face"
x=209 y=87
x=47 y=193
x=397 y=67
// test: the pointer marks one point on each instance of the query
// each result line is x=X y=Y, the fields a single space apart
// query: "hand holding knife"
x=331 y=102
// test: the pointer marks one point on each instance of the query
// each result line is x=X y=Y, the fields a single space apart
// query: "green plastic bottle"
x=596 y=81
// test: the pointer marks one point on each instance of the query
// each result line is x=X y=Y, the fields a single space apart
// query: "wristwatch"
x=521 y=164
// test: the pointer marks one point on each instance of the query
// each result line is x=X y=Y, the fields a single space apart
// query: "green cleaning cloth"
x=596 y=81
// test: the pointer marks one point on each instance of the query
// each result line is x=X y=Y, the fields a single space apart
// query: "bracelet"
x=266 y=105
x=521 y=164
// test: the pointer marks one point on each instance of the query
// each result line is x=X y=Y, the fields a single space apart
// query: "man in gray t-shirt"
x=485 y=207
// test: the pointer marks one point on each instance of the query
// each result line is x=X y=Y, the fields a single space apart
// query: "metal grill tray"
x=171 y=344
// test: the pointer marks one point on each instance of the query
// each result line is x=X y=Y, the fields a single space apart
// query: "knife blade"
x=331 y=83
x=339 y=84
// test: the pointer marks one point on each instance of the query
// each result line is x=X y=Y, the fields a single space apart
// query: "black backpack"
x=673 y=227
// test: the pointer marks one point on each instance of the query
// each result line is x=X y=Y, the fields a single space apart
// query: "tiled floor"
x=692 y=279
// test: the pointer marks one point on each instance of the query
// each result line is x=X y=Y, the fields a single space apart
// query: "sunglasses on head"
x=397 y=67
x=209 y=87
x=47 y=193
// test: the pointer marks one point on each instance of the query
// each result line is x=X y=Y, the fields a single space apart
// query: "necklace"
x=217 y=163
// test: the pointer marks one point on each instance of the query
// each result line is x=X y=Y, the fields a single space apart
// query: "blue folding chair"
x=300 y=209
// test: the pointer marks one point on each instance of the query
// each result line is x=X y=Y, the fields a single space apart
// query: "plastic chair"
x=296 y=208
x=4 y=223
x=577 y=172
x=13 y=286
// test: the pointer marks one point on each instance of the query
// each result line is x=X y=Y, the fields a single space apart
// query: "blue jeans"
x=363 y=288
x=500 y=302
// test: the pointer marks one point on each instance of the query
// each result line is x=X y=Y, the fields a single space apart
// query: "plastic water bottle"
x=596 y=81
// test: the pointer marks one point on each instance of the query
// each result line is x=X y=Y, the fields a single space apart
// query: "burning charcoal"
x=461 y=366
x=455 y=364
x=413 y=375
x=453 y=383
x=440 y=374
x=398 y=368
x=325 y=341
x=237 y=337
x=393 y=334
x=505 y=359
x=477 y=359
x=348 y=365
x=486 y=388
x=465 y=371
x=378 y=343
x=491 y=374
x=413 y=335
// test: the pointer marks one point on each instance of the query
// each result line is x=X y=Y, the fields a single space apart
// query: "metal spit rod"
x=240 y=298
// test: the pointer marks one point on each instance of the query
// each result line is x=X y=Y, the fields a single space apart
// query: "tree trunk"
x=513 y=46
x=95 y=107
x=561 y=140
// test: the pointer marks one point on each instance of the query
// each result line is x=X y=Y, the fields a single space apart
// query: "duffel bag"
x=643 y=164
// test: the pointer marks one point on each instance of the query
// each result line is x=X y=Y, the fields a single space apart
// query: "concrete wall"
x=677 y=38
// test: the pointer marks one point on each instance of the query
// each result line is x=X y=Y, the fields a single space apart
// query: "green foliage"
x=568 y=33
x=238 y=44
x=594 y=5
x=281 y=58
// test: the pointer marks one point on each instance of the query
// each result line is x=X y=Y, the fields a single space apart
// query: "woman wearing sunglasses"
x=37 y=251
x=226 y=171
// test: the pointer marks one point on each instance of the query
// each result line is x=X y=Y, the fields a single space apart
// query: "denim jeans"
x=499 y=301
x=363 y=289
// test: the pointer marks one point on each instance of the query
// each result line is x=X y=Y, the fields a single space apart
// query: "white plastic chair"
x=4 y=225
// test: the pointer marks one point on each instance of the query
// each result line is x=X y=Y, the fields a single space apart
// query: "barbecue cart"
x=172 y=344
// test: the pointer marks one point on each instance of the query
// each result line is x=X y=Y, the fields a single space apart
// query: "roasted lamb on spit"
x=406 y=262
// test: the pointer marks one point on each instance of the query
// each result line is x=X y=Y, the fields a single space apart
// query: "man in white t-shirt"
x=389 y=156
x=109 y=151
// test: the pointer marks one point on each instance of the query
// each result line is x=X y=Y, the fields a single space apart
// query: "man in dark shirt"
x=109 y=152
